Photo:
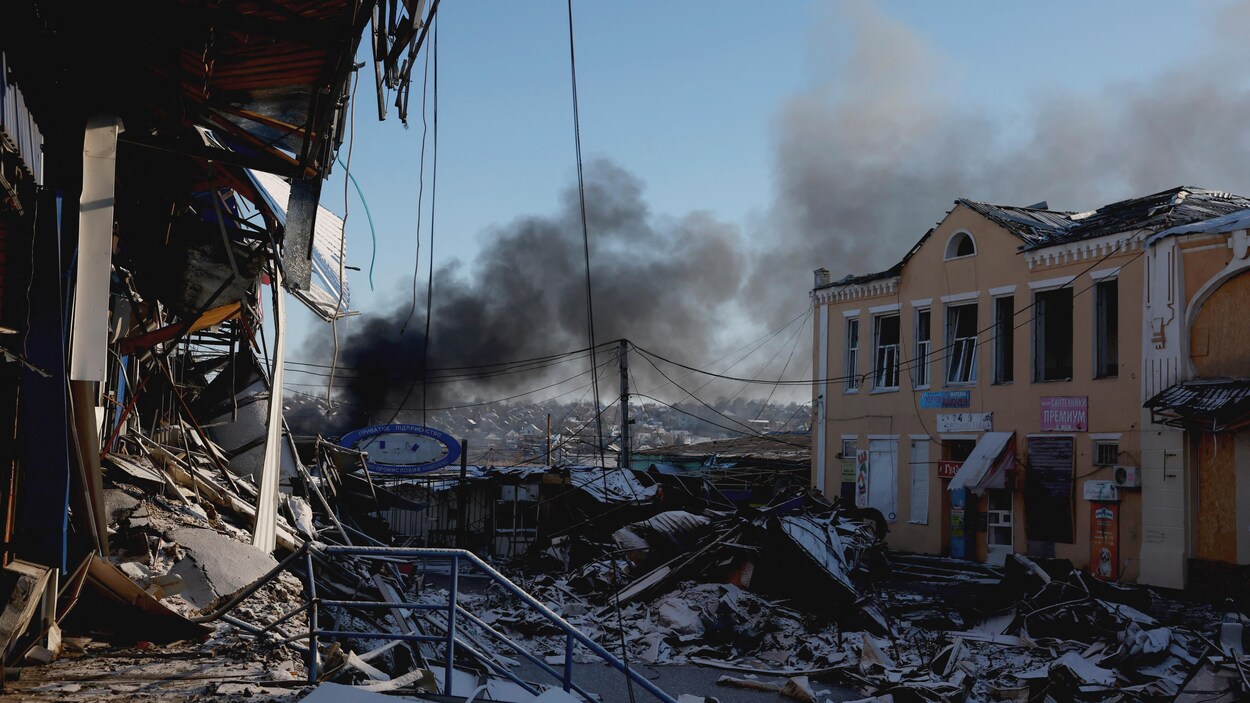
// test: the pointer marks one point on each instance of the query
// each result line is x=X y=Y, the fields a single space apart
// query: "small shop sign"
x=948 y=469
x=1065 y=413
x=945 y=399
x=965 y=422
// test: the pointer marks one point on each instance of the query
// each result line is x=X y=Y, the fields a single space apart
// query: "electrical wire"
x=479 y=403
x=425 y=128
x=373 y=233
x=429 y=293
x=334 y=319
x=429 y=286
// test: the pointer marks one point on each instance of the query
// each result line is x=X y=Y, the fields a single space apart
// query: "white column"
x=822 y=397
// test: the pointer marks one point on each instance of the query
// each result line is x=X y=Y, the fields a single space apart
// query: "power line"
x=479 y=403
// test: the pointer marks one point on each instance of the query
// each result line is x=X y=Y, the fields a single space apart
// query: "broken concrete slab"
x=216 y=564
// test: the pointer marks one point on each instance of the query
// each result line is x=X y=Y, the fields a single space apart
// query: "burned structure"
x=1032 y=381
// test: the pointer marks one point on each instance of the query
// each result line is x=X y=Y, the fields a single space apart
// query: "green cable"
x=372 y=232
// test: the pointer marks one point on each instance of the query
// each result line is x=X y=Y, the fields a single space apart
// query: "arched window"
x=961 y=244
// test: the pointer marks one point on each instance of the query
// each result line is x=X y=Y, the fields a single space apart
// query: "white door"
x=918 y=463
x=998 y=522
x=883 y=477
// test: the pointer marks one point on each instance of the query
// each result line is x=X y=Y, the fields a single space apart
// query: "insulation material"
x=89 y=332
x=265 y=535
x=327 y=295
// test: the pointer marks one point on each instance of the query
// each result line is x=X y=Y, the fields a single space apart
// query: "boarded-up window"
x=883 y=477
x=1048 y=490
x=919 y=467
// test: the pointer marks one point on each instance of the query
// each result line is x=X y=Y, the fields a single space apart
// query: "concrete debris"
x=216 y=565
x=781 y=599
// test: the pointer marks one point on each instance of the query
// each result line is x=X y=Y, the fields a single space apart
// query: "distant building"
x=986 y=392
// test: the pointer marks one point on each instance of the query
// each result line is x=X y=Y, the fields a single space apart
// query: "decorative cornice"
x=856 y=291
x=1086 y=249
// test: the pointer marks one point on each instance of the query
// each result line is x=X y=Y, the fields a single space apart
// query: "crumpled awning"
x=328 y=295
x=986 y=466
x=1218 y=405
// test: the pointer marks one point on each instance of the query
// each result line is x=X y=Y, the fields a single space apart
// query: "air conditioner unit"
x=1127 y=477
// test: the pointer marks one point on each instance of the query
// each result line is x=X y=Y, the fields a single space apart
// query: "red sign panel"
x=1104 y=541
x=948 y=469
x=1065 y=413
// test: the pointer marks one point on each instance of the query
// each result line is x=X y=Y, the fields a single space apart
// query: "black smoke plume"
x=656 y=280
x=868 y=156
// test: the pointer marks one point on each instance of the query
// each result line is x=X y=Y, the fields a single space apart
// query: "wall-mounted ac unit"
x=1127 y=477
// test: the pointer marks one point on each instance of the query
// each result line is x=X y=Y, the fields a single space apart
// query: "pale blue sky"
x=686 y=96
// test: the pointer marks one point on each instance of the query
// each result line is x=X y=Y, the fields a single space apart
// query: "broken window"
x=1106 y=329
x=1052 y=335
x=961 y=344
x=1004 y=344
x=960 y=245
x=885 y=365
x=920 y=373
x=852 y=354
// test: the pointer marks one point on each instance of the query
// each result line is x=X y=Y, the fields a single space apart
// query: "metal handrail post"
x=568 y=662
x=314 y=662
x=518 y=649
x=451 y=623
x=534 y=603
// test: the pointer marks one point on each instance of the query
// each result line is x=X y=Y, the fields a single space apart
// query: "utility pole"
x=623 y=358
x=548 y=439
x=462 y=497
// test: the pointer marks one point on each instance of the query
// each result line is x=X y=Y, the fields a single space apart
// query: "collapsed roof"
x=1039 y=227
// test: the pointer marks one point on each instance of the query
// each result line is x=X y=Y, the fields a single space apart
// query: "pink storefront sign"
x=1065 y=413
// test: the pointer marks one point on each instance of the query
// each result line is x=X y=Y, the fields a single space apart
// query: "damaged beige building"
x=986 y=393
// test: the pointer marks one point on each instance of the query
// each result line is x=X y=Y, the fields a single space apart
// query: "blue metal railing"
x=452 y=610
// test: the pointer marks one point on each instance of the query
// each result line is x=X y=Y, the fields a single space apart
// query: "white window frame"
x=952 y=245
x=850 y=365
x=959 y=348
x=921 y=378
x=892 y=353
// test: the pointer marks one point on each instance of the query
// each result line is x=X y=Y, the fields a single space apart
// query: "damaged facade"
x=986 y=393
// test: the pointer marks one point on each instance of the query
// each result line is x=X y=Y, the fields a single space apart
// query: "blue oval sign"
x=403 y=449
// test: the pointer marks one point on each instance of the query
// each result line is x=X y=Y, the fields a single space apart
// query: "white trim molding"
x=879 y=309
x=1100 y=274
x=1002 y=290
x=855 y=291
x=1122 y=243
x=1104 y=436
x=961 y=297
x=851 y=313
x=1046 y=283
x=883 y=436
x=922 y=302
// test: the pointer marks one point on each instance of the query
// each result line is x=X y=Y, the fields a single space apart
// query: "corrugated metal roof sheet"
x=1214 y=405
